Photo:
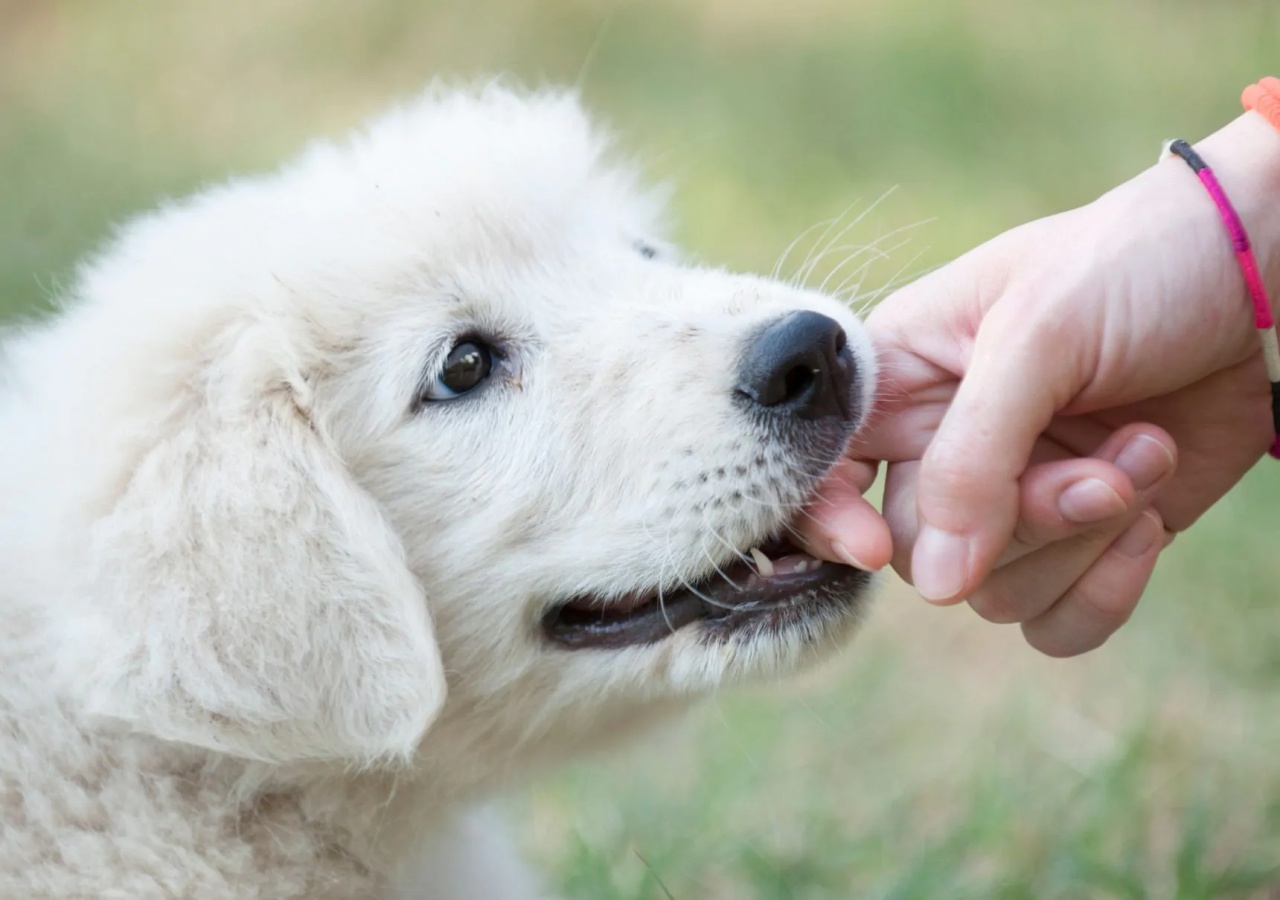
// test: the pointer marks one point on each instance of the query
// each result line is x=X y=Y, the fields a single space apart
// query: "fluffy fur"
x=270 y=628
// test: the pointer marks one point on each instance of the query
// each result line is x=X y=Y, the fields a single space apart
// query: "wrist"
x=1166 y=217
x=1245 y=157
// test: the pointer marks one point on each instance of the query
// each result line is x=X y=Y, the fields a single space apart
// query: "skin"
x=1061 y=401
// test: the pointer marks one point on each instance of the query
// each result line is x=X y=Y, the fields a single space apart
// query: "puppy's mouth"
x=773 y=586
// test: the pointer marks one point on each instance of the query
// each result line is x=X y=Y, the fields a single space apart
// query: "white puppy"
x=334 y=500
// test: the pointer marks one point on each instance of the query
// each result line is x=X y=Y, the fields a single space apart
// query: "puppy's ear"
x=249 y=596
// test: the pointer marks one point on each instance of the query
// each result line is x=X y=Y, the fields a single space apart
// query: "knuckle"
x=1059 y=643
x=1082 y=621
x=1027 y=537
x=1105 y=610
x=1000 y=604
x=948 y=468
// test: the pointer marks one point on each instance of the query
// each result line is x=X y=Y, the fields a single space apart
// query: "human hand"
x=1027 y=367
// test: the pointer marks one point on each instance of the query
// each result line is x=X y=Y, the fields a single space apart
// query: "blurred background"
x=941 y=757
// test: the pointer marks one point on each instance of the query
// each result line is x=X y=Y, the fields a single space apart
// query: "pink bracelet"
x=1262 y=318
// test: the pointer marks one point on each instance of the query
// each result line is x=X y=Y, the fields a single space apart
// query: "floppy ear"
x=249 y=596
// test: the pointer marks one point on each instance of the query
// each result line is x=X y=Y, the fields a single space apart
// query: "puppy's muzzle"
x=797 y=376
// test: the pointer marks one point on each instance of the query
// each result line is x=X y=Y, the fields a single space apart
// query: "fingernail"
x=939 y=564
x=1145 y=460
x=1091 y=500
x=842 y=553
x=1141 y=536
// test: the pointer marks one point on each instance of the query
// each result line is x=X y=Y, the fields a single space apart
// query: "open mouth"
x=774 y=585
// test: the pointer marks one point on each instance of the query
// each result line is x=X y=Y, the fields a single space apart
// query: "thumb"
x=967 y=502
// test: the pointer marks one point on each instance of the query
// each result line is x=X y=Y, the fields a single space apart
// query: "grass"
x=941 y=758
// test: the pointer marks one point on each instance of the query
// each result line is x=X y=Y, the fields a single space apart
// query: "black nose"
x=799 y=365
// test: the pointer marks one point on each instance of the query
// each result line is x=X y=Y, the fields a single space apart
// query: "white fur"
x=267 y=632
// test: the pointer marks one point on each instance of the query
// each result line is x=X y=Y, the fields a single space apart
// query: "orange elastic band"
x=1264 y=99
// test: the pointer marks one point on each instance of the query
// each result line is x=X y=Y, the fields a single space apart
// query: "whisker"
x=662 y=580
x=818 y=242
x=788 y=525
x=857 y=250
x=875 y=297
x=580 y=82
x=866 y=264
x=891 y=234
x=719 y=571
x=732 y=549
x=703 y=597
x=900 y=278
x=803 y=275
x=782 y=260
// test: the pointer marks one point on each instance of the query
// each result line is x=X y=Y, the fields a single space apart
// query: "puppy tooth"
x=801 y=566
x=763 y=563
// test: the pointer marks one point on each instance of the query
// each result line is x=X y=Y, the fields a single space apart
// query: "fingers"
x=1084 y=548
x=1105 y=597
x=1059 y=500
x=1072 y=593
x=841 y=526
x=967 y=495
x=1059 y=497
x=1027 y=588
x=1064 y=498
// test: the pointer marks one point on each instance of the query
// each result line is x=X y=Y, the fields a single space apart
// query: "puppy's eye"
x=467 y=365
x=646 y=250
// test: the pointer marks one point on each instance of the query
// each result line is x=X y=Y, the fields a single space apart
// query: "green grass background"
x=941 y=757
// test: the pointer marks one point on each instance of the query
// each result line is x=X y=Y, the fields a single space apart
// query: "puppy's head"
x=439 y=411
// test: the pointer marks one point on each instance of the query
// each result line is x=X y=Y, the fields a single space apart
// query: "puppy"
x=335 y=500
